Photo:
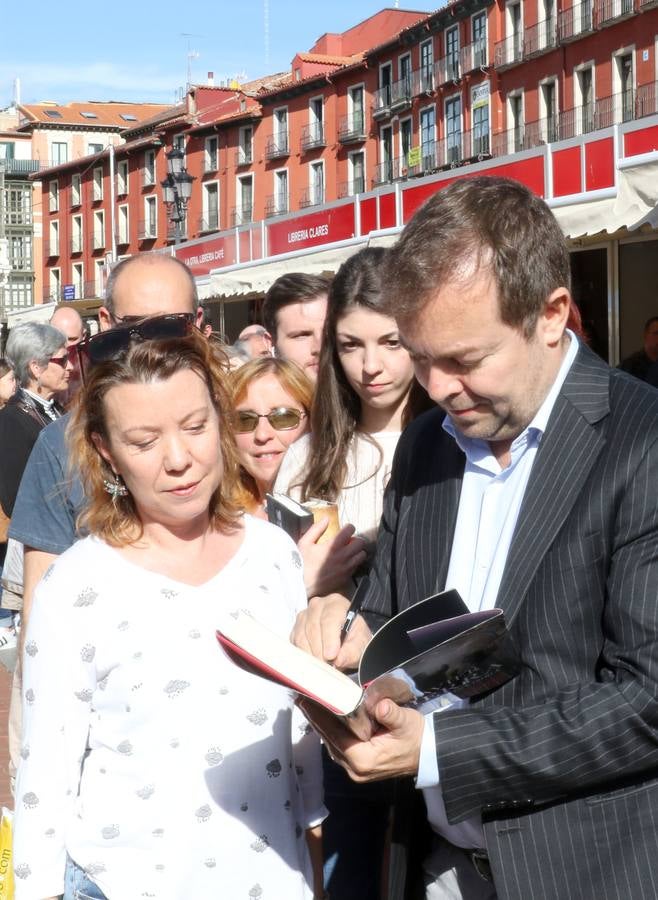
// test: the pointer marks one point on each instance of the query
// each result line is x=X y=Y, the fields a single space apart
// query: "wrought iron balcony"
x=210 y=162
x=241 y=215
x=122 y=238
x=311 y=197
x=386 y=171
x=97 y=240
x=646 y=100
x=351 y=188
x=313 y=137
x=208 y=222
x=20 y=166
x=607 y=111
x=508 y=52
x=474 y=56
x=50 y=249
x=76 y=244
x=148 y=178
x=401 y=93
x=540 y=38
x=351 y=129
x=575 y=21
x=423 y=81
x=243 y=156
x=381 y=104
x=276 y=205
x=447 y=69
x=277 y=146
x=147 y=230
x=607 y=12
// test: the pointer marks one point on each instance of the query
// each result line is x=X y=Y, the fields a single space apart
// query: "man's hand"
x=328 y=566
x=394 y=749
x=317 y=631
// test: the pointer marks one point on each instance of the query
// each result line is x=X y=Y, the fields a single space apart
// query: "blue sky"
x=135 y=51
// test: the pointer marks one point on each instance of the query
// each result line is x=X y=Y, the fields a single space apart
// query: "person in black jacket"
x=38 y=355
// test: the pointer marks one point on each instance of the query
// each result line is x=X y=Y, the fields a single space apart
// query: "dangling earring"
x=115 y=488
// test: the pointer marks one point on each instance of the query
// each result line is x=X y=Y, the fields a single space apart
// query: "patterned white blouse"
x=159 y=766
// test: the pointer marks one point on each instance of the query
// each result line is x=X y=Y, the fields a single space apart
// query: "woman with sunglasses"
x=151 y=765
x=368 y=395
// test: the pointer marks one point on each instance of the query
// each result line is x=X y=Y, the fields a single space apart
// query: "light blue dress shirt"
x=489 y=505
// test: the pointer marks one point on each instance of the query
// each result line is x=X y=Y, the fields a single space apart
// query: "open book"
x=434 y=647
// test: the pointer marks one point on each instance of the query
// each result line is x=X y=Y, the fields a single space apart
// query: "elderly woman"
x=38 y=356
x=152 y=766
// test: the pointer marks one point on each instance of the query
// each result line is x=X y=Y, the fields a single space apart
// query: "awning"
x=255 y=278
x=633 y=207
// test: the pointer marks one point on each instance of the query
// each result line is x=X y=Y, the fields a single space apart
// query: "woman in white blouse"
x=367 y=393
x=151 y=765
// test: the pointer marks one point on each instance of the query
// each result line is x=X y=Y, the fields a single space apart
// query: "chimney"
x=211 y=79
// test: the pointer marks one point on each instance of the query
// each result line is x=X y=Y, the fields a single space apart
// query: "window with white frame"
x=623 y=86
x=452 y=53
x=316 y=120
x=515 y=119
x=406 y=141
x=514 y=25
x=20 y=252
x=245 y=197
x=150 y=227
x=97 y=180
x=99 y=277
x=385 y=154
x=122 y=177
x=76 y=234
x=427 y=66
x=210 y=202
x=98 y=236
x=123 y=225
x=548 y=110
x=178 y=143
x=78 y=280
x=55 y=283
x=280 y=135
x=584 y=100
x=76 y=189
x=385 y=81
x=94 y=148
x=356 y=108
x=245 y=145
x=53 y=196
x=317 y=183
x=479 y=36
x=480 y=120
x=453 y=130
x=149 y=167
x=281 y=204
x=404 y=70
x=428 y=137
x=53 y=247
x=211 y=154
x=59 y=152
x=357 y=183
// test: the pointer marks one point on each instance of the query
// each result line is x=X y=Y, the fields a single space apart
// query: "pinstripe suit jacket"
x=562 y=762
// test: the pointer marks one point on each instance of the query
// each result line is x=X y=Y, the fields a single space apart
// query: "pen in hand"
x=354 y=608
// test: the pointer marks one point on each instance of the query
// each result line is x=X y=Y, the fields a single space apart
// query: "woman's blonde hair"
x=293 y=380
x=116 y=520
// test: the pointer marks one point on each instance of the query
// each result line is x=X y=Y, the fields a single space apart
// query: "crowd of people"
x=442 y=396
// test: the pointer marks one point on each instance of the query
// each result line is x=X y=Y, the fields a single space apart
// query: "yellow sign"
x=413 y=157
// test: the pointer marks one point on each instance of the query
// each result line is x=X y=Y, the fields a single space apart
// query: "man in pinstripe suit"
x=531 y=488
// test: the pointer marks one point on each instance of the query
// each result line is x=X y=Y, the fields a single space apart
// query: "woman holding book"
x=151 y=765
x=368 y=394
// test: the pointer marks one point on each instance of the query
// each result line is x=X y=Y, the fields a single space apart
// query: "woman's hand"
x=328 y=567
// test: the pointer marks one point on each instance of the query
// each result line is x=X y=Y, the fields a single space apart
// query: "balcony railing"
x=146 y=230
x=474 y=56
x=244 y=156
x=313 y=136
x=276 y=205
x=453 y=150
x=242 y=215
x=646 y=99
x=381 y=104
x=540 y=38
x=647 y=4
x=277 y=146
x=607 y=111
x=352 y=129
x=210 y=162
x=174 y=234
x=387 y=171
x=76 y=244
x=311 y=197
x=122 y=238
x=608 y=11
x=208 y=222
x=508 y=52
x=97 y=240
x=148 y=178
x=576 y=20
x=20 y=166
x=423 y=81
x=351 y=188
x=50 y=249
x=447 y=69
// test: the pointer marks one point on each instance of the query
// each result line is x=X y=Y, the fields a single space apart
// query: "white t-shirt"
x=190 y=785
x=361 y=499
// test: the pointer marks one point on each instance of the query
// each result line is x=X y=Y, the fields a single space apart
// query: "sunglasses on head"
x=114 y=343
x=283 y=418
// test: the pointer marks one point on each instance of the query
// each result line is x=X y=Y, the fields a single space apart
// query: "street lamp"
x=177 y=190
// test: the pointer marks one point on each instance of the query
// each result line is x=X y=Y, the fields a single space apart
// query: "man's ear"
x=554 y=316
x=103 y=450
x=104 y=319
x=35 y=369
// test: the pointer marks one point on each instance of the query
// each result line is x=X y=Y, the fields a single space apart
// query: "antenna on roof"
x=191 y=54
x=266 y=31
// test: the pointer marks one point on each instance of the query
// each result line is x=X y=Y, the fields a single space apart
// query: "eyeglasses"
x=62 y=361
x=283 y=418
x=113 y=343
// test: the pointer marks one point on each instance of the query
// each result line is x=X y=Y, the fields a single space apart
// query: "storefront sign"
x=208 y=255
x=326 y=227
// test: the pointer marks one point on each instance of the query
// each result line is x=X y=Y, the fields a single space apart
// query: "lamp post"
x=177 y=190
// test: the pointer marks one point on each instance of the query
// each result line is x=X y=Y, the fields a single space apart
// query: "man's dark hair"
x=147 y=258
x=493 y=223
x=293 y=288
x=649 y=323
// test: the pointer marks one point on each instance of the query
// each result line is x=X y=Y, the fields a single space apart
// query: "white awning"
x=256 y=277
x=633 y=207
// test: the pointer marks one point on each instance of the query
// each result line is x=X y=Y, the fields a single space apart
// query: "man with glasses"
x=49 y=500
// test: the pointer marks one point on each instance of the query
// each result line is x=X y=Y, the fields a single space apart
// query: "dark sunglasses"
x=283 y=418
x=114 y=343
x=62 y=361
